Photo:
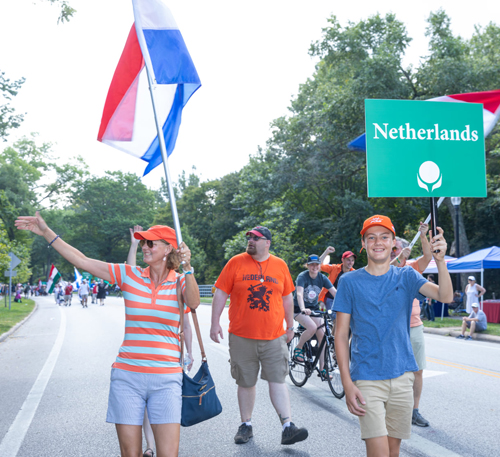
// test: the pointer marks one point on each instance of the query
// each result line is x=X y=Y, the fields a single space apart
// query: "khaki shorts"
x=247 y=355
x=418 y=345
x=389 y=407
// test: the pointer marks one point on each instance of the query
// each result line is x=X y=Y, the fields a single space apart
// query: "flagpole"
x=163 y=149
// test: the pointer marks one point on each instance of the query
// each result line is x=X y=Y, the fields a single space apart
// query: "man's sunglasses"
x=256 y=238
x=150 y=243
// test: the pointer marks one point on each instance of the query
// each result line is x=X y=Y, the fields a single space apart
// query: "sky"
x=251 y=58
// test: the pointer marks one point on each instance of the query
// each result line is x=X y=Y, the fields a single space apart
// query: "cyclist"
x=309 y=285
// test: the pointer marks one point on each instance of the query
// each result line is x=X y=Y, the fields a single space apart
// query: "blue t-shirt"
x=380 y=309
x=312 y=289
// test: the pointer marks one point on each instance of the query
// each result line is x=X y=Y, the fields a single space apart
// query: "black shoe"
x=468 y=337
x=244 y=434
x=292 y=434
x=417 y=419
x=460 y=337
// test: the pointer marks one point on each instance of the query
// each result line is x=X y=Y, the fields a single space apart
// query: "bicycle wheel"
x=299 y=372
x=332 y=371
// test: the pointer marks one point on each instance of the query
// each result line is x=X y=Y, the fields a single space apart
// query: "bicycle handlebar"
x=319 y=313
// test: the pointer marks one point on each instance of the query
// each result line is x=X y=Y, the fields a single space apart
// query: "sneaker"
x=468 y=337
x=292 y=434
x=244 y=434
x=460 y=337
x=417 y=419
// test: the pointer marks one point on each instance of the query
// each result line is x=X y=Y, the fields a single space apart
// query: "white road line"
x=431 y=373
x=427 y=447
x=13 y=439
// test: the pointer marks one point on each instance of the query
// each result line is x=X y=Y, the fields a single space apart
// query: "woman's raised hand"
x=34 y=224
x=137 y=228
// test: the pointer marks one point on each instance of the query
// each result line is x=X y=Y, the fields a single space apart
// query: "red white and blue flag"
x=491 y=111
x=128 y=122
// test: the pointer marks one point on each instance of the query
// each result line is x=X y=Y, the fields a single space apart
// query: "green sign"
x=86 y=275
x=425 y=149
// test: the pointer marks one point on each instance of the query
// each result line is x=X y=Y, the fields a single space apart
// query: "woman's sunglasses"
x=150 y=243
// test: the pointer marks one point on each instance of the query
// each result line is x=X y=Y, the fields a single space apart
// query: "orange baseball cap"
x=158 y=232
x=382 y=221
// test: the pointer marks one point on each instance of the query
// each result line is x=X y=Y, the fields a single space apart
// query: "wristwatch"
x=188 y=272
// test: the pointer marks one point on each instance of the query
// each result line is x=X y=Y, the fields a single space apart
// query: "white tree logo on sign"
x=428 y=175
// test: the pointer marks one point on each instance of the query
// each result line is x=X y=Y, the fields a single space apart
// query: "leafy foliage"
x=8 y=120
x=67 y=11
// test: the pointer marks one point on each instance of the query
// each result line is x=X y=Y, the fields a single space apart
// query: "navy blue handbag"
x=199 y=399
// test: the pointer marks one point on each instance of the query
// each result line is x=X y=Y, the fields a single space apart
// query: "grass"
x=206 y=299
x=18 y=311
x=493 y=329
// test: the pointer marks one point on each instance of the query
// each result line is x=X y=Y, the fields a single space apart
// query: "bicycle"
x=301 y=371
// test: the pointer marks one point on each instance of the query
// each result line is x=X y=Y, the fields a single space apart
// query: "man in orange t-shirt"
x=335 y=272
x=261 y=289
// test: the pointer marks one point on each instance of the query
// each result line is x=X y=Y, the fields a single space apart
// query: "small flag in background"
x=78 y=279
x=54 y=277
x=128 y=122
x=491 y=112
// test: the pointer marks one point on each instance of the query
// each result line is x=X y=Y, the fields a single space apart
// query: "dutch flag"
x=128 y=123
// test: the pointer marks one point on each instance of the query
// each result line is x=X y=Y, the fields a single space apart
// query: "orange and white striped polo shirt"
x=151 y=343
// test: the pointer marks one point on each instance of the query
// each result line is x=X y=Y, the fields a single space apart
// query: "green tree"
x=104 y=210
x=42 y=257
x=8 y=119
x=310 y=186
x=207 y=211
x=29 y=178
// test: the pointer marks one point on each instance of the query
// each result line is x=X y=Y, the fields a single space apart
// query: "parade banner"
x=425 y=149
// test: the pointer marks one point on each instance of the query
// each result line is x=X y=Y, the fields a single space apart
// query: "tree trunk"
x=464 y=247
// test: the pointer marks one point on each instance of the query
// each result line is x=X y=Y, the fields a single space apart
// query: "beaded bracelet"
x=50 y=244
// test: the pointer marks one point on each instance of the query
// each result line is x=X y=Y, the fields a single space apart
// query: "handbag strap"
x=180 y=301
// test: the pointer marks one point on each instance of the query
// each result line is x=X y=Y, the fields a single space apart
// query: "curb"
x=5 y=335
x=454 y=332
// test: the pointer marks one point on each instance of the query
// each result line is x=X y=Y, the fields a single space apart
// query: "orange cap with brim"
x=158 y=232
x=382 y=221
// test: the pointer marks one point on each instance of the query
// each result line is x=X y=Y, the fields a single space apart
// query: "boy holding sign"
x=376 y=302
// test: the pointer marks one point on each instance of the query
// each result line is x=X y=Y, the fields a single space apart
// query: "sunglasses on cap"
x=150 y=243
x=256 y=238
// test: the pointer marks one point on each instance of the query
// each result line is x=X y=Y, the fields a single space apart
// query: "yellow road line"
x=465 y=367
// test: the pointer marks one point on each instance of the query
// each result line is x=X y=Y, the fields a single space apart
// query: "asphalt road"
x=54 y=381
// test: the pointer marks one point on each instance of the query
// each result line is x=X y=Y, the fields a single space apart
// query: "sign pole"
x=434 y=220
x=427 y=219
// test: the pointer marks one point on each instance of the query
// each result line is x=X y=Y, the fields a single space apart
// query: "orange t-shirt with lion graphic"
x=257 y=290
